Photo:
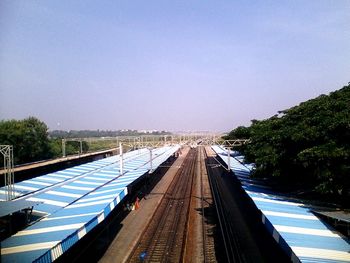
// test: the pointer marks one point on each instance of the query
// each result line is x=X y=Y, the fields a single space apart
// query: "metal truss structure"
x=9 y=178
x=231 y=143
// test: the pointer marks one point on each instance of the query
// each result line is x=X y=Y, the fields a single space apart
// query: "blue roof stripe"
x=310 y=224
x=316 y=242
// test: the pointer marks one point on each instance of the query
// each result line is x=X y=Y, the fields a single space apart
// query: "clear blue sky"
x=168 y=65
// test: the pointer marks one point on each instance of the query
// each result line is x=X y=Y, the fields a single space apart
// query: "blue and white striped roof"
x=293 y=225
x=76 y=206
x=61 y=177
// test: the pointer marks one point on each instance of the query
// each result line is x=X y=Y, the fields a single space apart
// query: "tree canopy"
x=29 y=138
x=308 y=144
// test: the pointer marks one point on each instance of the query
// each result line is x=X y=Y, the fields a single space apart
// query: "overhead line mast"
x=9 y=178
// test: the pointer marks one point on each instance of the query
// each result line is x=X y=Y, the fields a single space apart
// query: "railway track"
x=207 y=211
x=198 y=207
x=164 y=237
x=230 y=241
x=200 y=245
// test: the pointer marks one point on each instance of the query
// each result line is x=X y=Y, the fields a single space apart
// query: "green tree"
x=307 y=145
x=29 y=138
x=240 y=132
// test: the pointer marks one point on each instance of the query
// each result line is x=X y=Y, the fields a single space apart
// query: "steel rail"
x=231 y=246
x=204 y=226
x=163 y=238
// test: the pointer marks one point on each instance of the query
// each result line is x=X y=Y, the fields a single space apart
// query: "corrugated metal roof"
x=77 y=206
x=50 y=180
x=300 y=233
